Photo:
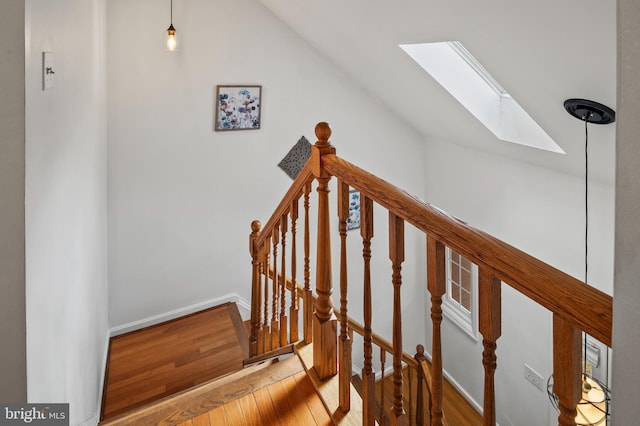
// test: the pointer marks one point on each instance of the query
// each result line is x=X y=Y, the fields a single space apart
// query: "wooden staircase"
x=276 y=391
x=145 y=383
x=288 y=314
x=575 y=307
x=272 y=393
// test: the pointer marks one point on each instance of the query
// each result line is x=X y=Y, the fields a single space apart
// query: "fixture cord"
x=586 y=224
x=586 y=196
x=171 y=20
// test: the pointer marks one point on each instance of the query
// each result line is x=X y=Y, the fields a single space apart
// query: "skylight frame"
x=464 y=77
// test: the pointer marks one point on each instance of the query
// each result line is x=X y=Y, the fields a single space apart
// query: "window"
x=451 y=65
x=460 y=303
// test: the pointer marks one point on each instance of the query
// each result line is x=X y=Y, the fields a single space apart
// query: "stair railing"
x=416 y=379
x=575 y=306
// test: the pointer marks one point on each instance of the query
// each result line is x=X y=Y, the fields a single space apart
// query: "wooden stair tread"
x=208 y=396
x=328 y=391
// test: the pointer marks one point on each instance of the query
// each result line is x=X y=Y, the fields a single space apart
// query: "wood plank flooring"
x=457 y=410
x=152 y=363
x=272 y=393
x=289 y=402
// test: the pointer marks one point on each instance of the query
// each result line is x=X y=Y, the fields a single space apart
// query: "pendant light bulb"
x=172 y=39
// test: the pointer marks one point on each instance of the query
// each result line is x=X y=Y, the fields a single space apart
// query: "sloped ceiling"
x=542 y=52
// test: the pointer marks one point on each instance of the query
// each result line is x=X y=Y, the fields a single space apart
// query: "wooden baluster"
x=383 y=415
x=566 y=369
x=293 y=310
x=308 y=295
x=436 y=284
x=284 y=221
x=368 y=376
x=344 y=343
x=409 y=392
x=266 y=333
x=490 y=328
x=275 y=335
x=396 y=254
x=420 y=406
x=325 y=330
x=256 y=287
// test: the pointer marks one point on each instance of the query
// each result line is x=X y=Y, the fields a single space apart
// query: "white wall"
x=181 y=196
x=13 y=386
x=66 y=220
x=626 y=333
x=538 y=211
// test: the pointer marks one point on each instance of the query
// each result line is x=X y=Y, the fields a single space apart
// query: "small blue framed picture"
x=238 y=107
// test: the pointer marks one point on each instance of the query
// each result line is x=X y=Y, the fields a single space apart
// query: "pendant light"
x=172 y=40
x=593 y=407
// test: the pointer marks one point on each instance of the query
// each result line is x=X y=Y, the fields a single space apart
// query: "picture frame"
x=238 y=107
x=353 y=221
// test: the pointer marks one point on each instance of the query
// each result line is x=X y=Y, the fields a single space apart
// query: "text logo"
x=34 y=414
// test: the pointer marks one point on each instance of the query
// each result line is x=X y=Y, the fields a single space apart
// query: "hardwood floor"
x=164 y=359
x=457 y=410
x=292 y=401
x=146 y=368
x=151 y=375
x=272 y=393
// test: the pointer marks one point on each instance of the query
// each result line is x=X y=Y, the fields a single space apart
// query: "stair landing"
x=165 y=359
x=272 y=393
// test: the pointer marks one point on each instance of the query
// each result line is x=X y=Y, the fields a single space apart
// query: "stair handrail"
x=295 y=190
x=576 y=306
x=585 y=306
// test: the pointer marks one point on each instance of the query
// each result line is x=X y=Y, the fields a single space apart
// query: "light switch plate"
x=48 y=72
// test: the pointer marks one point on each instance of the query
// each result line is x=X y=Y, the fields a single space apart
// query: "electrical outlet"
x=533 y=377
x=588 y=369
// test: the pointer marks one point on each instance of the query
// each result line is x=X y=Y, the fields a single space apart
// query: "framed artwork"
x=238 y=107
x=353 y=221
x=296 y=158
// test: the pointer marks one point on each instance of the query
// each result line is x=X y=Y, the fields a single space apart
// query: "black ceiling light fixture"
x=593 y=408
x=590 y=111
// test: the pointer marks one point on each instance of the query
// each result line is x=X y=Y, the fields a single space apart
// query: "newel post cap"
x=323 y=133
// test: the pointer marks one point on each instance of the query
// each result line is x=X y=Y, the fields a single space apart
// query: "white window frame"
x=467 y=321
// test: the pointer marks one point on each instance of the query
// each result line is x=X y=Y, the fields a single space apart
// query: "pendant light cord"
x=171 y=20
x=586 y=197
x=586 y=225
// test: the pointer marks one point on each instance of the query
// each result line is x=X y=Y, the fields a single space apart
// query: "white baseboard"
x=356 y=370
x=244 y=306
x=463 y=392
x=103 y=376
x=91 y=421
x=459 y=388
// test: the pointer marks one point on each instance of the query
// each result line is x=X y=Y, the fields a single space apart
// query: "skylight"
x=451 y=65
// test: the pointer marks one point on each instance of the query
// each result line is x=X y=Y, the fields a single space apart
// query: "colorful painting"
x=238 y=107
x=353 y=221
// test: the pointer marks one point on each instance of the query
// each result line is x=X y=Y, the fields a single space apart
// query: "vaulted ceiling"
x=542 y=52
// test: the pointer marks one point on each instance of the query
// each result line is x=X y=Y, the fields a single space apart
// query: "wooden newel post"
x=256 y=293
x=325 y=325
